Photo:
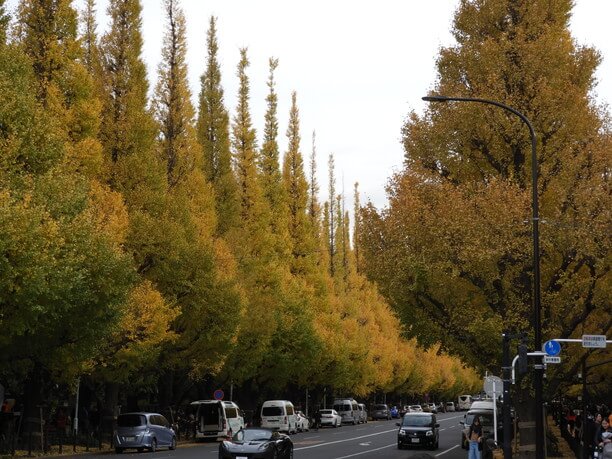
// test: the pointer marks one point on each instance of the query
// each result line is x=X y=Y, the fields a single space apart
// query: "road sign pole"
x=495 y=389
x=506 y=366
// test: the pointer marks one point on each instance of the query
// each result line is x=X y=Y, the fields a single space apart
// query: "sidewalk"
x=564 y=448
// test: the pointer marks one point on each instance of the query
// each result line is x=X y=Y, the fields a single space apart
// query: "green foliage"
x=214 y=137
x=453 y=249
x=56 y=268
x=129 y=242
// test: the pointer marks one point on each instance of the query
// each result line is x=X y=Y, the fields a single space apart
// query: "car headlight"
x=429 y=433
x=402 y=432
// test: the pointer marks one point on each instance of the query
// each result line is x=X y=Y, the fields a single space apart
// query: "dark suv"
x=418 y=429
x=381 y=412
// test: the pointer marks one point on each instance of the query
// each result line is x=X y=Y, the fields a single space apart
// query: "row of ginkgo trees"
x=139 y=235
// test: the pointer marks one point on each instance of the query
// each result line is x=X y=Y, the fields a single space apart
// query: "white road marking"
x=366 y=452
x=447 y=419
x=345 y=440
x=449 y=449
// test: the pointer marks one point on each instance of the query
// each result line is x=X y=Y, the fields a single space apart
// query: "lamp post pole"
x=535 y=220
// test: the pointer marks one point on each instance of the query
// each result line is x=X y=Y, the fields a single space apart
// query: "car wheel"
x=153 y=447
x=290 y=455
x=118 y=450
x=275 y=454
x=173 y=444
x=399 y=445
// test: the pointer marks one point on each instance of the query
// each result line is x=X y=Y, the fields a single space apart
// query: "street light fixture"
x=539 y=370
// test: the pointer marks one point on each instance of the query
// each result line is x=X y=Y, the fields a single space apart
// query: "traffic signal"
x=523 y=363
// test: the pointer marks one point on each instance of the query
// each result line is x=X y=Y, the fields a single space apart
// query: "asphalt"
x=376 y=439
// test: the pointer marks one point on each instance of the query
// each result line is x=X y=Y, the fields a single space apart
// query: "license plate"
x=129 y=438
x=241 y=457
x=414 y=440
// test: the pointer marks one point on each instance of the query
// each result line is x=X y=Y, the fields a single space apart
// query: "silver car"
x=143 y=430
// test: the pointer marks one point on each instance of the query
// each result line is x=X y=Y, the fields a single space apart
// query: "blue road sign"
x=552 y=347
x=218 y=394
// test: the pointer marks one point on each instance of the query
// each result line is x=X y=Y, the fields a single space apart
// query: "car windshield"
x=485 y=419
x=272 y=411
x=342 y=407
x=253 y=435
x=326 y=411
x=380 y=407
x=131 y=420
x=415 y=407
x=417 y=421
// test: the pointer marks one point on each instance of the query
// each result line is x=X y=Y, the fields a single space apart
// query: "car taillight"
x=224 y=424
x=286 y=419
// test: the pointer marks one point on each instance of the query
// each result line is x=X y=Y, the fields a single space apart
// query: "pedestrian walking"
x=317 y=419
x=474 y=438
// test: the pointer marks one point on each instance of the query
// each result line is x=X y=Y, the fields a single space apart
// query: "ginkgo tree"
x=452 y=252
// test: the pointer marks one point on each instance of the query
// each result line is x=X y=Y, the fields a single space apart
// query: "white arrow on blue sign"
x=552 y=347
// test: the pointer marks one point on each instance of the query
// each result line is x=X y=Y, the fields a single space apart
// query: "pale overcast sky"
x=358 y=68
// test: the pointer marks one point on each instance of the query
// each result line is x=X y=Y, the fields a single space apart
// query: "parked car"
x=303 y=424
x=415 y=409
x=348 y=410
x=217 y=419
x=450 y=406
x=433 y=408
x=394 y=412
x=279 y=415
x=143 y=430
x=418 y=429
x=330 y=418
x=425 y=408
x=257 y=442
x=363 y=413
x=403 y=410
x=381 y=411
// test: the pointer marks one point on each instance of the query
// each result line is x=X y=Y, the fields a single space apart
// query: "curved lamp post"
x=539 y=370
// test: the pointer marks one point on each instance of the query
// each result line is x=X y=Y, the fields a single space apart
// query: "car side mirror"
x=437 y=425
x=398 y=424
x=462 y=423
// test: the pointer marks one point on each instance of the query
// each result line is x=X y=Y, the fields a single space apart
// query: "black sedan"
x=257 y=443
x=418 y=429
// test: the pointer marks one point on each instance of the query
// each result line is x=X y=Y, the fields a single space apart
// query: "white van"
x=217 y=419
x=279 y=415
x=464 y=402
x=348 y=410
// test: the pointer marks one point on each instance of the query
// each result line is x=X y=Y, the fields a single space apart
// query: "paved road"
x=376 y=439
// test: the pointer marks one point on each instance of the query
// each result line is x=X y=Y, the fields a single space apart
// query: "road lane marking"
x=366 y=452
x=449 y=449
x=345 y=440
x=448 y=419
x=442 y=430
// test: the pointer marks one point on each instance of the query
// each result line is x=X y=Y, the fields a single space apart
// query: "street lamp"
x=539 y=370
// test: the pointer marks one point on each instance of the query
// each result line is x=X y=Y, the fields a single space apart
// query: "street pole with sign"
x=535 y=220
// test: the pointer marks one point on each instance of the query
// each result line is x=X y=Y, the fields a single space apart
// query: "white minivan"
x=464 y=402
x=279 y=415
x=348 y=409
x=217 y=419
